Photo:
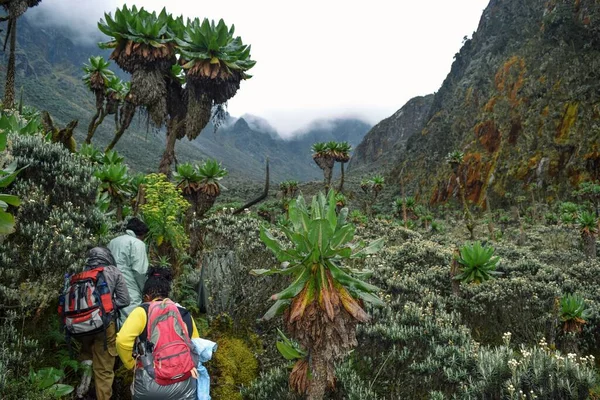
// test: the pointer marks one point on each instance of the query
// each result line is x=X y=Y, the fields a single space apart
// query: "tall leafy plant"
x=325 y=300
x=7 y=176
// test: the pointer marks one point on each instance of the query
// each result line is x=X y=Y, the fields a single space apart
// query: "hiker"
x=101 y=289
x=129 y=251
x=155 y=341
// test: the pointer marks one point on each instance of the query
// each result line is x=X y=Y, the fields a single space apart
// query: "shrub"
x=56 y=222
x=164 y=213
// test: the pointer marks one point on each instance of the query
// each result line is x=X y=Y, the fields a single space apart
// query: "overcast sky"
x=319 y=58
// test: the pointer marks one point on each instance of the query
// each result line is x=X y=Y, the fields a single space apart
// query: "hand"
x=194 y=372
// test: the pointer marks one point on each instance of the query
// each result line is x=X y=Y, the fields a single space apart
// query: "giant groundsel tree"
x=324 y=302
x=179 y=71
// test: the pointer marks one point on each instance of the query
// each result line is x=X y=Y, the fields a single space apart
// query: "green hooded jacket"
x=132 y=260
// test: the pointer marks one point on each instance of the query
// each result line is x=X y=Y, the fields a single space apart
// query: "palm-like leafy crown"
x=211 y=51
x=97 y=75
x=342 y=152
x=321 y=241
x=140 y=35
x=573 y=312
x=204 y=177
x=478 y=263
x=139 y=26
x=455 y=158
x=319 y=149
x=588 y=222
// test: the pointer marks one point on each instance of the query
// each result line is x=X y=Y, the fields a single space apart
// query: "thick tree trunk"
x=9 y=90
x=318 y=382
x=168 y=156
x=341 y=188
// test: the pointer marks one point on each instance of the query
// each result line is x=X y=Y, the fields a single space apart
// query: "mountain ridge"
x=49 y=69
x=521 y=101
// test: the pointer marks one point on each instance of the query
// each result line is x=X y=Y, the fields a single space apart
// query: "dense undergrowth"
x=435 y=337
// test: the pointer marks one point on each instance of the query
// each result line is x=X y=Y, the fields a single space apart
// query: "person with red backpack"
x=88 y=308
x=155 y=341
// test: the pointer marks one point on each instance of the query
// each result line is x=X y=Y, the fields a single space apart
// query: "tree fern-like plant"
x=573 y=312
x=200 y=184
x=478 y=263
x=180 y=71
x=324 y=302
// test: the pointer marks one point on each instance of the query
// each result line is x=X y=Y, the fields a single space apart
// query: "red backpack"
x=86 y=306
x=170 y=343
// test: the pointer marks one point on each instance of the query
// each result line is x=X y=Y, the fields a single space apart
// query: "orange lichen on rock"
x=489 y=136
x=489 y=106
x=567 y=121
x=475 y=172
x=510 y=78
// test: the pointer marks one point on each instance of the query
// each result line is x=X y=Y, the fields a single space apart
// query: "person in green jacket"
x=129 y=251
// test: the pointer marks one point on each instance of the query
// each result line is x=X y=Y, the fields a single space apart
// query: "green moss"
x=235 y=365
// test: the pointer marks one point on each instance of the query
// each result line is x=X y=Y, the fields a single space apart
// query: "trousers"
x=103 y=360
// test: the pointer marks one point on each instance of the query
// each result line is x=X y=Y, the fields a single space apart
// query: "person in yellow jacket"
x=134 y=333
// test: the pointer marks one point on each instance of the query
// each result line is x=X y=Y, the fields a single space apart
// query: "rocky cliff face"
x=522 y=101
x=386 y=141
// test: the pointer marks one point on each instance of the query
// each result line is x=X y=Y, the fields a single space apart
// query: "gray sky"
x=319 y=58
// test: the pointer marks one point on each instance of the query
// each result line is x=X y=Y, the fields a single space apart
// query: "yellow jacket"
x=132 y=328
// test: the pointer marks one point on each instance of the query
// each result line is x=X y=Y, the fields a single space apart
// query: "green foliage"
x=568 y=208
x=588 y=222
x=341 y=200
x=551 y=218
x=455 y=158
x=573 y=310
x=91 y=153
x=114 y=180
x=7 y=176
x=138 y=26
x=12 y=122
x=47 y=380
x=205 y=42
x=478 y=263
x=357 y=217
x=319 y=148
x=57 y=221
x=288 y=348
x=164 y=213
x=97 y=70
x=187 y=175
x=211 y=172
x=322 y=238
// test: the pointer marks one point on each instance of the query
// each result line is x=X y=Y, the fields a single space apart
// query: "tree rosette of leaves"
x=139 y=38
x=478 y=263
x=324 y=302
x=200 y=183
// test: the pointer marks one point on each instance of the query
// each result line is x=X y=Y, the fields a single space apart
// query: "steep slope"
x=49 y=72
x=522 y=101
x=385 y=142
